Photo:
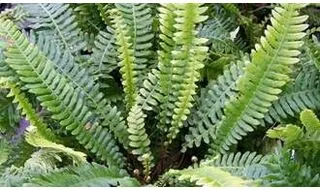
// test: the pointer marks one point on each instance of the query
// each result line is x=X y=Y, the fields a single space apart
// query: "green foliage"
x=303 y=93
x=4 y=147
x=138 y=19
x=139 y=139
x=287 y=172
x=86 y=175
x=248 y=165
x=126 y=54
x=27 y=110
x=272 y=59
x=58 y=96
x=210 y=177
x=159 y=94
x=57 y=21
x=188 y=56
x=211 y=104
x=304 y=141
x=34 y=138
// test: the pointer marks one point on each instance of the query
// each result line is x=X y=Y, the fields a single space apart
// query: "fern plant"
x=158 y=94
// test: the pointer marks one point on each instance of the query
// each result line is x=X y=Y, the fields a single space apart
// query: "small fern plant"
x=158 y=94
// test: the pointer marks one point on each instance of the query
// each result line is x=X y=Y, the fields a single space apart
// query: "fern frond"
x=5 y=70
x=27 y=109
x=57 y=95
x=149 y=93
x=211 y=104
x=138 y=20
x=303 y=94
x=167 y=21
x=139 y=139
x=289 y=134
x=40 y=162
x=87 y=17
x=313 y=50
x=310 y=121
x=218 y=28
x=104 y=10
x=248 y=164
x=87 y=175
x=104 y=53
x=305 y=142
x=57 y=21
x=80 y=79
x=34 y=138
x=209 y=176
x=272 y=60
x=187 y=61
x=126 y=54
x=4 y=148
x=285 y=171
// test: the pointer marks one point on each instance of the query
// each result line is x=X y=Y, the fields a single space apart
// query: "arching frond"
x=211 y=103
x=57 y=21
x=80 y=79
x=57 y=95
x=87 y=175
x=27 y=109
x=188 y=56
x=248 y=165
x=264 y=77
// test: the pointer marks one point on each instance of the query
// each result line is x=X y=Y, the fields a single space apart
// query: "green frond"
x=35 y=138
x=264 y=77
x=310 y=121
x=127 y=60
x=5 y=70
x=303 y=94
x=313 y=50
x=27 y=109
x=188 y=57
x=211 y=103
x=289 y=134
x=305 y=142
x=147 y=100
x=248 y=165
x=16 y=14
x=87 y=175
x=4 y=149
x=218 y=29
x=104 y=53
x=287 y=172
x=80 y=79
x=104 y=10
x=139 y=139
x=57 y=21
x=87 y=17
x=138 y=21
x=58 y=96
x=210 y=176
x=149 y=94
x=167 y=21
x=40 y=162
